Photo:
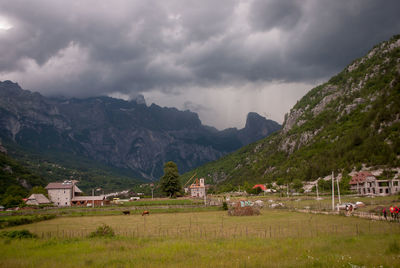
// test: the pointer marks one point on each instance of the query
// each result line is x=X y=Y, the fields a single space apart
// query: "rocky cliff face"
x=121 y=134
x=353 y=120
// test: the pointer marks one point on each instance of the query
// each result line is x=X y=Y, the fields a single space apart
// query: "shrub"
x=25 y=220
x=224 y=205
x=17 y=234
x=103 y=231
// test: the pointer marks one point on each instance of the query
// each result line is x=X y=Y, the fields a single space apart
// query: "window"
x=380 y=191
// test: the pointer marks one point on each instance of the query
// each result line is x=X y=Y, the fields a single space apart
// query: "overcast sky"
x=221 y=59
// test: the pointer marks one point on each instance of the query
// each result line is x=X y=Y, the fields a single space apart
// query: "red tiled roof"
x=360 y=177
x=262 y=186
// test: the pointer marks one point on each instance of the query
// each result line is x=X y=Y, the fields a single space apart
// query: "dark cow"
x=126 y=212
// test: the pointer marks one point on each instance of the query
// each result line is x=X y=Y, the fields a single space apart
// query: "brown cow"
x=146 y=212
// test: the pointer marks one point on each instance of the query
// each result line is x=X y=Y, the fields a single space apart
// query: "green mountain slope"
x=58 y=166
x=15 y=180
x=351 y=120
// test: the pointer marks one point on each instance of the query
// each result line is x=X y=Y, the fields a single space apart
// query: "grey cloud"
x=189 y=105
x=84 y=48
x=266 y=15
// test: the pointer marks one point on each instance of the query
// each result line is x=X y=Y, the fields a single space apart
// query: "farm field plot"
x=204 y=239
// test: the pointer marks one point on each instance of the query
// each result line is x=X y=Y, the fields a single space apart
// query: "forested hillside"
x=15 y=180
x=351 y=120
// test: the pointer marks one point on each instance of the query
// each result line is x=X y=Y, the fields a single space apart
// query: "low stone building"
x=198 y=188
x=37 y=199
x=67 y=193
x=62 y=193
x=97 y=200
x=364 y=183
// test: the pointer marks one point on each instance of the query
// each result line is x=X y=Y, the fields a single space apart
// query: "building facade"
x=198 y=188
x=98 y=200
x=62 y=193
x=364 y=183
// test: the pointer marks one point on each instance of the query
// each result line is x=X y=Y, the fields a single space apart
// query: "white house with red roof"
x=198 y=188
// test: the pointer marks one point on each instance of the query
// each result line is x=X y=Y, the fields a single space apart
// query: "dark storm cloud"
x=84 y=48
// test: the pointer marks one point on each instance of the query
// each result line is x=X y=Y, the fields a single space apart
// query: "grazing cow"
x=126 y=212
x=146 y=212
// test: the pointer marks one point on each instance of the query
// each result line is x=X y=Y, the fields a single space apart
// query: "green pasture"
x=164 y=202
x=207 y=239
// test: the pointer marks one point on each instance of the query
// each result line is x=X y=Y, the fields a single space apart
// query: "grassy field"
x=164 y=202
x=207 y=239
x=108 y=210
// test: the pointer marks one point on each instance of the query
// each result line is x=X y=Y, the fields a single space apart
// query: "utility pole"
x=152 y=191
x=287 y=189
x=338 y=189
x=93 y=198
x=317 y=191
x=333 y=193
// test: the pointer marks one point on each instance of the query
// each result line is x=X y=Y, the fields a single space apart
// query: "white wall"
x=60 y=197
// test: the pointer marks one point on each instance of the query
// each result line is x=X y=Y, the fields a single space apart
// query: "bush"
x=224 y=205
x=25 y=220
x=103 y=231
x=17 y=234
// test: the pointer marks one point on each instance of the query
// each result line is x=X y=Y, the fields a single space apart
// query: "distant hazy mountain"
x=124 y=135
x=350 y=121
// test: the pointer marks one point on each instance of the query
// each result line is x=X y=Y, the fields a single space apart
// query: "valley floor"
x=207 y=239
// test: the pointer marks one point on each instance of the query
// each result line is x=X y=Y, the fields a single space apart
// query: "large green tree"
x=169 y=182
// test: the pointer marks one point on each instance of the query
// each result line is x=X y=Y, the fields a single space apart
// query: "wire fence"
x=221 y=230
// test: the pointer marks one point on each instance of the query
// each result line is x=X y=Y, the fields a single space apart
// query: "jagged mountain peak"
x=122 y=134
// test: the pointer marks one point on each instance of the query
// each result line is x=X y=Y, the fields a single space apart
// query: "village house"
x=37 y=199
x=67 y=193
x=62 y=193
x=198 y=189
x=364 y=183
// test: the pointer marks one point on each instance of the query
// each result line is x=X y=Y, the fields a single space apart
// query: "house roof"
x=59 y=185
x=76 y=189
x=196 y=184
x=89 y=198
x=39 y=198
x=360 y=177
x=64 y=185
x=262 y=186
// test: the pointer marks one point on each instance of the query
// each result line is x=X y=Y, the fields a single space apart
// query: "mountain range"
x=127 y=138
x=351 y=122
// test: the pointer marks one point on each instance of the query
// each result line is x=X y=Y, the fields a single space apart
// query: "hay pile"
x=243 y=211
